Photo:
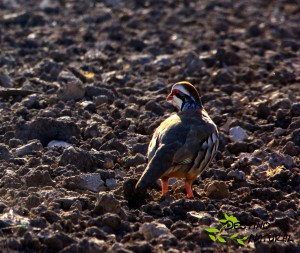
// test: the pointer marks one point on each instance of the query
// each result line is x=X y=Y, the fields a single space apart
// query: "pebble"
x=135 y=160
x=295 y=110
x=237 y=134
x=153 y=230
x=56 y=143
x=5 y=80
x=31 y=101
x=89 y=181
x=39 y=178
x=83 y=160
x=259 y=211
x=100 y=100
x=291 y=149
x=71 y=87
x=4 y=152
x=237 y=175
x=111 y=220
x=107 y=203
x=29 y=149
x=111 y=183
x=263 y=110
x=216 y=190
x=201 y=218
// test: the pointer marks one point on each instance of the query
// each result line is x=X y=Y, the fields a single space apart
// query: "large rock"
x=153 y=230
x=48 y=129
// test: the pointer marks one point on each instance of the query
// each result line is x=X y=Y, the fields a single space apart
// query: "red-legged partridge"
x=184 y=144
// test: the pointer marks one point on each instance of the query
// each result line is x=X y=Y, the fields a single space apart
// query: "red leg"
x=188 y=188
x=165 y=183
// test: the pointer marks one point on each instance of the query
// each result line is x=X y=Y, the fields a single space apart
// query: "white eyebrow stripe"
x=182 y=89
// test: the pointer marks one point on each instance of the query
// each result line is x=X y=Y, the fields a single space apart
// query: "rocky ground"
x=83 y=86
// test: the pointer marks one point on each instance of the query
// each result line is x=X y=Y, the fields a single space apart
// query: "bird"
x=184 y=144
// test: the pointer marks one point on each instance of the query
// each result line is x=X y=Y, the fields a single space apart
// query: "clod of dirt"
x=153 y=230
x=135 y=198
x=31 y=148
x=81 y=159
x=216 y=190
x=90 y=181
x=48 y=129
x=107 y=203
x=71 y=86
x=38 y=177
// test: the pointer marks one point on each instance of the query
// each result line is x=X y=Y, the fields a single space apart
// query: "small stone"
x=5 y=80
x=155 y=107
x=55 y=241
x=276 y=159
x=100 y=100
x=28 y=149
x=4 y=152
x=32 y=201
x=80 y=158
x=289 y=162
x=216 y=190
x=296 y=137
x=262 y=247
x=71 y=86
x=295 y=110
x=56 y=143
x=237 y=175
x=279 y=131
x=291 y=149
x=111 y=183
x=92 y=91
x=201 y=218
x=51 y=216
x=90 y=182
x=238 y=147
x=89 y=106
x=153 y=230
x=31 y=101
x=135 y=160
x=283 y=103
x=263 y=110
x=283 y=223
x=259 y=211
x=223 y=76
x=237 y=134
x=111 y=220
x=107 y=203
x=38 y=177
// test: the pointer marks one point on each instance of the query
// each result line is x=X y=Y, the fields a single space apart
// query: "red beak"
x=170 y=97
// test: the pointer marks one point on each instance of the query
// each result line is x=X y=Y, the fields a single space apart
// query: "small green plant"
x=230 y=222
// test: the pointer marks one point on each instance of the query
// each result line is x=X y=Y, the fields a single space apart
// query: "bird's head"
x=185 y=96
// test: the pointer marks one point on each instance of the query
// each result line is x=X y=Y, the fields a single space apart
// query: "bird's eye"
x=174 y=92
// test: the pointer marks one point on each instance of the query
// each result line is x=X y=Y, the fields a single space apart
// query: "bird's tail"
x=157 y=166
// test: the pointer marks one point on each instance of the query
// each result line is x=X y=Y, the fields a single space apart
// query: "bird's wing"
x=159 y=164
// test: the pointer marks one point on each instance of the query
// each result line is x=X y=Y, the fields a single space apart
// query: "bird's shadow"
x=135 y=198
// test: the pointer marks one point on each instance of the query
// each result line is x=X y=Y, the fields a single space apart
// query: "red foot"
x=188 y=189
x=165 y=184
